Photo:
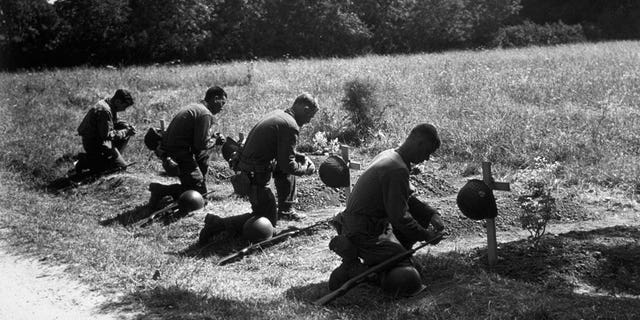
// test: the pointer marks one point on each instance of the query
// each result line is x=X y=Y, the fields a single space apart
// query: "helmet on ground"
x=170 y=167
x=334 y=172
x=257 y=229
x=476 y=201
x=228 y=148
x=402 y=281
x=190 y=200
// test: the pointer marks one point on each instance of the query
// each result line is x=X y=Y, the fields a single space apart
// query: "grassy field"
x=577 y=105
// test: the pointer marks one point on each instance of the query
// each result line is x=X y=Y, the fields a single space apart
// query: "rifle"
x=282 y=236
x=91 y=177
x=157 y=214
x=379 y=267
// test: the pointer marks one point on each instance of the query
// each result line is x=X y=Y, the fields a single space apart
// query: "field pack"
x=152 y=138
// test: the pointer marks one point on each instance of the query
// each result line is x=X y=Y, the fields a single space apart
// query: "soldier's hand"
x=219 y=139
x=131 y=130
x=310 y=167
x=437 y=223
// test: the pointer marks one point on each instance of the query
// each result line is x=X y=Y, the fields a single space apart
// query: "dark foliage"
x=28 y=33
x=92 y=31
x=35 y=33
x=529 y=33
x=614 y=19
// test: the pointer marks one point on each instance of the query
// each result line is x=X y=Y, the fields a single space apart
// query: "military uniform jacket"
x=97 y=125
x=189 y=130
x=379 y=199
x=272 y=138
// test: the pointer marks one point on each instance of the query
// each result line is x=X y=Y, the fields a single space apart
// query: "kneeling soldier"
x=104 y=138
x=382 y=218
x=269 y=150
x=186 y=141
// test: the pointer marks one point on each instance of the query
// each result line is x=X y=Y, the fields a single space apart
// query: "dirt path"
x=621 y=218
x=31 y=290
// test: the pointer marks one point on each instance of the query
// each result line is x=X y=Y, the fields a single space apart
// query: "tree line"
x=37 y=33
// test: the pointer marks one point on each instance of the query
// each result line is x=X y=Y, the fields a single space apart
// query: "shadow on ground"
x=177 y=303
x=459 y=286
x=143 y=216
x=222 y=245
x=607 y=259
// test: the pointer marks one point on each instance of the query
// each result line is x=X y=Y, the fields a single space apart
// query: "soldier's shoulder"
x=287 y=119
x=102 y=106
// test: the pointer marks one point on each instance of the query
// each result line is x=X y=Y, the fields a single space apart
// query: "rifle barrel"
x=265 y=243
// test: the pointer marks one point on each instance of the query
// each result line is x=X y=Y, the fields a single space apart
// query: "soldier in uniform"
x=382 y=218
x=104 y=137
x=269 y=151
x=187 y=140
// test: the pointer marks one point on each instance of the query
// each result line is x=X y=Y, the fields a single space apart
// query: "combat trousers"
x=193 y=170
x=374 y=249
x=102 y=155
x=263 y=202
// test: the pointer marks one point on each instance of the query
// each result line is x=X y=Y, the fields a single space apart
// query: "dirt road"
x=31 y=290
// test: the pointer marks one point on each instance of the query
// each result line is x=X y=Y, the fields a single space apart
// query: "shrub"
x=537 y=188
x=365 y=111
x=529 y=33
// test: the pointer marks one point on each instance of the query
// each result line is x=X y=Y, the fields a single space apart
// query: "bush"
x=365 y=111
x=537 y=187
x=530 y=33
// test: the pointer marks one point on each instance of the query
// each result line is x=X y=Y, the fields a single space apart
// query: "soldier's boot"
x=157 y=194
x=292 y=215
x=213 y=225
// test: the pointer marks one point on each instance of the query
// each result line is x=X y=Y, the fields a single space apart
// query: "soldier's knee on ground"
x=344 y=273
x=213 y=225
x=344 y=248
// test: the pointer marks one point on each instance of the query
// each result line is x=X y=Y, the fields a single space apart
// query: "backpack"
x=152 y=138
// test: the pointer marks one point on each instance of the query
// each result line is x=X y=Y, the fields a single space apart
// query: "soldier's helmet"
x=257 y=229
x=229 y=147
x=334 y=172
x=402 y=281
x=476 y=200
x=190 y=200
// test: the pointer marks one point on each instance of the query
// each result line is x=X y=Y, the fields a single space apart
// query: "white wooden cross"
x=492 y=245
x=344 y=150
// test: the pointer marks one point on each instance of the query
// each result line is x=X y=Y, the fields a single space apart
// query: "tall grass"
x=574 y=104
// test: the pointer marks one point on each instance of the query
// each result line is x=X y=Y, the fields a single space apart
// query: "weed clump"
x=538 y=189
x=365 y=111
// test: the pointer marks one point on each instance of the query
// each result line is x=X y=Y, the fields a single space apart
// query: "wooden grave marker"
x=344 y=151
x=492 y=245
